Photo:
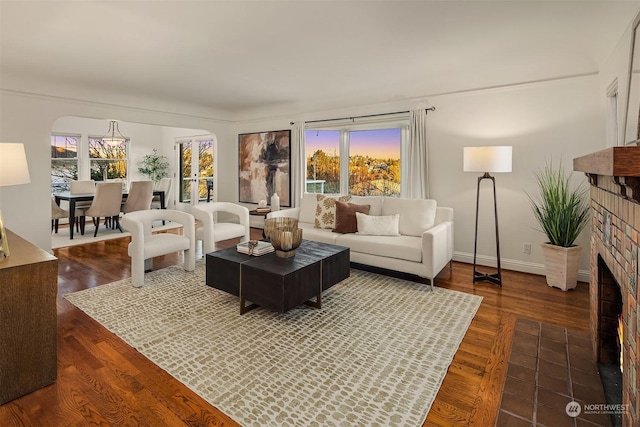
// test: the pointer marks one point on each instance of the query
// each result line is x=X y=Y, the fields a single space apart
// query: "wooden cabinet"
x=28 y=319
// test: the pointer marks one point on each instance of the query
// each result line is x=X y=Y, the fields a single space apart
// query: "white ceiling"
x=240 y=56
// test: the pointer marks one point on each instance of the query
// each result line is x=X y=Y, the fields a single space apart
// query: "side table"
x=254 y=212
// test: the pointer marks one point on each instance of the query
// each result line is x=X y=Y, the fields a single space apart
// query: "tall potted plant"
x=154 y=166
x=562 y=213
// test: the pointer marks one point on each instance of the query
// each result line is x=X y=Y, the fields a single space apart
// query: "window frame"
x=401 y=123
x=90 y=160
x=75 y=159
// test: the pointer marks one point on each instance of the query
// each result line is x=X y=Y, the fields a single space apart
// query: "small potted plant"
x=154 y=166
x=562 y=213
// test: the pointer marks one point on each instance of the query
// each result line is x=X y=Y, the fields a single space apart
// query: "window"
x=363 y=162
x=374 y=162
x=64 y=161
x=196 y=167
x=107 y=161
x=323 y=161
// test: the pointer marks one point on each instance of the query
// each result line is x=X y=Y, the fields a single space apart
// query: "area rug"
x=61 y=239
x=375 y=353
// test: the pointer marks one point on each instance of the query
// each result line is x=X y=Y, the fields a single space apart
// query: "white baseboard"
x=512 y=264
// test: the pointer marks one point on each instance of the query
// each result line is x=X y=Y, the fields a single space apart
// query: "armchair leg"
x=137 y=271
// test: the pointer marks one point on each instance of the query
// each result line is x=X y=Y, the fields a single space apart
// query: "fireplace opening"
x=610 y=333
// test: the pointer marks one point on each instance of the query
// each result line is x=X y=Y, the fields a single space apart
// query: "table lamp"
x=496 y=159
x=13 y=171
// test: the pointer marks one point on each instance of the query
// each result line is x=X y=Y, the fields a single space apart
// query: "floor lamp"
x=13 y=171
x=487 y=159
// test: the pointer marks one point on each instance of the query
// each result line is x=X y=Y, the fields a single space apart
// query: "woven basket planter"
x=561 y=265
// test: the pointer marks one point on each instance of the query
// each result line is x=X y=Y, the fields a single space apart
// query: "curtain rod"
x=426 y=110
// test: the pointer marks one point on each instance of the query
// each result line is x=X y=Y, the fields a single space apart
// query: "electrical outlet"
x=526 y=248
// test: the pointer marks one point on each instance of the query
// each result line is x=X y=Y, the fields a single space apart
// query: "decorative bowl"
x=280 y=223
x=284 y=235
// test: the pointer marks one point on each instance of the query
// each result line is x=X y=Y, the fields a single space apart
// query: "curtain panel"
x=298 y=161
x=418 y=161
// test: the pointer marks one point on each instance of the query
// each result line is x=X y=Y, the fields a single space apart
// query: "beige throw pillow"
x=378 y=225
x=326 y=210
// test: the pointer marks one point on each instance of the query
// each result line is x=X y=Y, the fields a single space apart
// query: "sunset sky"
x=379 y=144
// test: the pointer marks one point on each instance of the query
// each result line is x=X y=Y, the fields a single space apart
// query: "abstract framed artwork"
x=264 y=166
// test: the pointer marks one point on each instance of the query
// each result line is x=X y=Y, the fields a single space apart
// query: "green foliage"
x=561 y=212
x=154 y=166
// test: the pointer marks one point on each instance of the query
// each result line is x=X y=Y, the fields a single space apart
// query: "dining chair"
x=139 y=197
x=57 y=213
x=105 y=204
x=165 y=184
x=82 y=187
x=211 y=230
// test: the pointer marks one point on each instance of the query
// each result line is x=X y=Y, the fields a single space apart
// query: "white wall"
x=548 y=121
x=30 y=119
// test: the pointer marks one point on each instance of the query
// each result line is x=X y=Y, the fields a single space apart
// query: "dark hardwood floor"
x=103 y=381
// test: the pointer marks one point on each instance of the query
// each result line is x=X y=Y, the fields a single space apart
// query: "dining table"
x=74 y=198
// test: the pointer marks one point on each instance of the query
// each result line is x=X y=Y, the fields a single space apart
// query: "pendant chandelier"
x=111 y=138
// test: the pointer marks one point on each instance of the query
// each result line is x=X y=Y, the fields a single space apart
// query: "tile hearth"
x=550 y=366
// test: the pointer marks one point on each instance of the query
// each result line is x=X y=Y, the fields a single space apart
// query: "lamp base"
x=495 y=278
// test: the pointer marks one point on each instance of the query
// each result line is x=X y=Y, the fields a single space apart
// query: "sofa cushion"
x=401 y=247
x=308 y=208
x=378 y=225
x=326 y=210
x=346 y=216
x=416 y=215
x=323 y=235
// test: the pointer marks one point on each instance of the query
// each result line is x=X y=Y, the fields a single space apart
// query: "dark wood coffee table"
x=275 y=283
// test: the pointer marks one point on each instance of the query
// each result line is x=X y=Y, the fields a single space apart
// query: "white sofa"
x=420 y=248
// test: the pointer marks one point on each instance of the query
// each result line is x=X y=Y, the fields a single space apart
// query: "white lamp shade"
x=487 y=159
x=13 y=164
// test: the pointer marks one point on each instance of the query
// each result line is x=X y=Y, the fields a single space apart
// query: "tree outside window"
x=107 y=161
x=64 y=161
x=367 y=165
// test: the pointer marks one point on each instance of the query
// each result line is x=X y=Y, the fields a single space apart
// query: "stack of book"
x=255 y=247
x=263 y=210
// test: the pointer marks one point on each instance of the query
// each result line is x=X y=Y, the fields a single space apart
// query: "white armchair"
x=211 y=231
x=145 y=245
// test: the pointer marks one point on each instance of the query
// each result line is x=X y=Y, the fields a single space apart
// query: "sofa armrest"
x=437 y=247
x=285 y=213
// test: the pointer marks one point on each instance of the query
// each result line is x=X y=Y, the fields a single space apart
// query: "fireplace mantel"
x=620 y=163
x=614 y=161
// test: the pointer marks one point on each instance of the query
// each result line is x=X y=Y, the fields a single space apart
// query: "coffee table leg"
x=317 y=303
x=243 y=308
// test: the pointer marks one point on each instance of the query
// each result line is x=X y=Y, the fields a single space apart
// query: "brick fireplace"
x=614 y=176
